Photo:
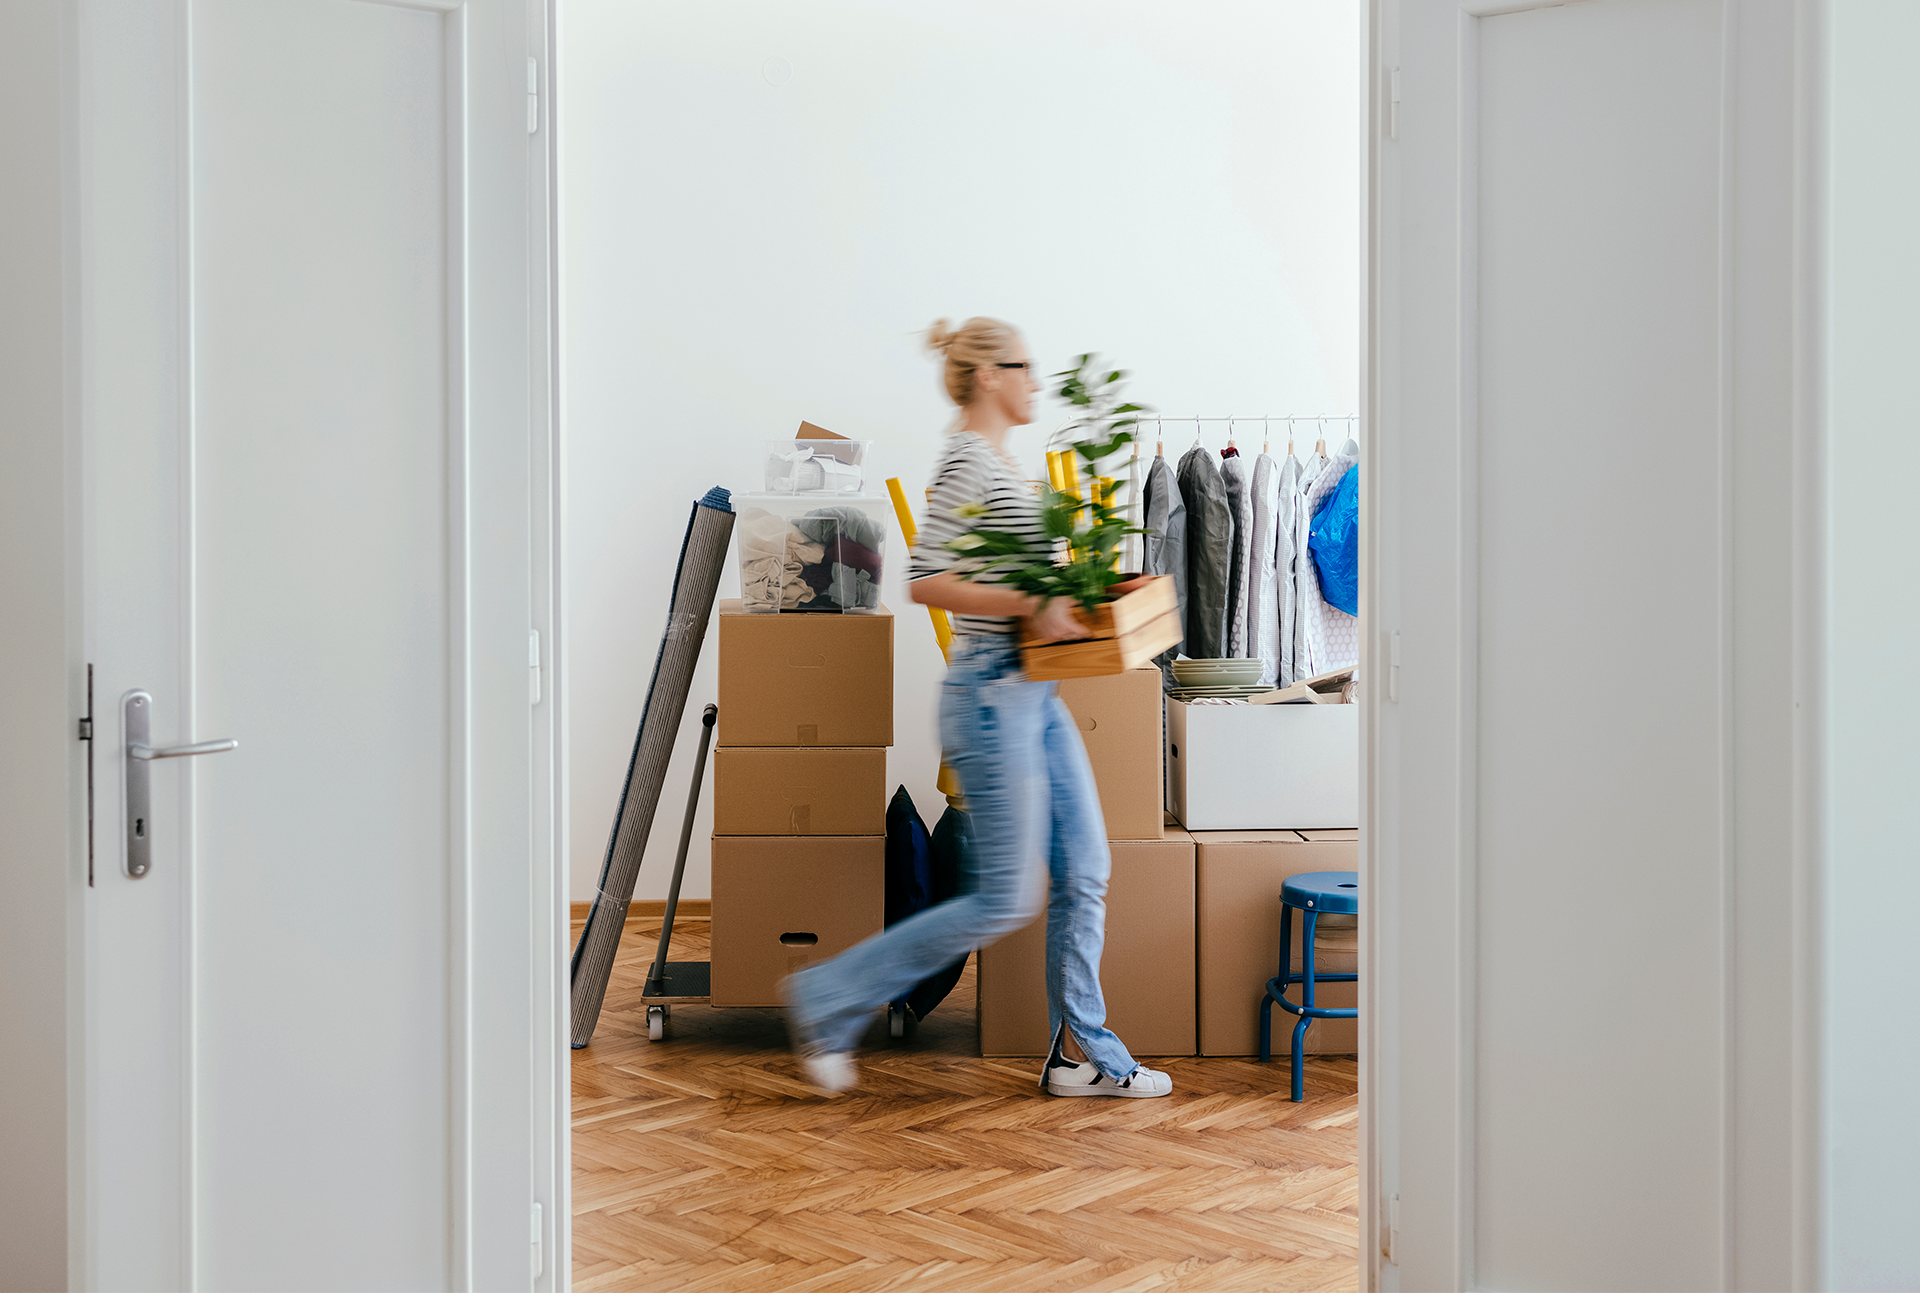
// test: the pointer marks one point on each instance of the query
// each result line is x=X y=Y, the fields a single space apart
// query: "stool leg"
x=1308 y=927
x=1285 y=974
x=1266 y=997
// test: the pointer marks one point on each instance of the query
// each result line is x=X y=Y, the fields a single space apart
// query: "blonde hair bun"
x=978 y=343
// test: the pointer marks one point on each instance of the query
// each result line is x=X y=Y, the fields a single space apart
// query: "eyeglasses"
x=1025 y=363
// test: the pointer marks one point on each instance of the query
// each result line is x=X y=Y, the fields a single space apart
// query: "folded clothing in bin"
x=826 y=558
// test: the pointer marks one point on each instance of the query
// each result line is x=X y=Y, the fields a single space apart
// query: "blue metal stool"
x=1316 y=894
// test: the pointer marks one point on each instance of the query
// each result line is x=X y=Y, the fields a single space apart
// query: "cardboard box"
x=1122 y=634
x=1119 y=715
x=780 y=903
x=805 y=679
x=1261 y=767
x=1147 y=972
x=794 y=790
x=1238 y=875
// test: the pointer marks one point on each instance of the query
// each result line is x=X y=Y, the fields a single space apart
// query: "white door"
x=1585 y=535
x=313 y=296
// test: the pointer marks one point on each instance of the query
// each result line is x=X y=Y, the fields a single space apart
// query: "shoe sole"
x=1107 y=1093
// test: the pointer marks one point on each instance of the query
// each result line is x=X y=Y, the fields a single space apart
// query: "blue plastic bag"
x=1334 y=541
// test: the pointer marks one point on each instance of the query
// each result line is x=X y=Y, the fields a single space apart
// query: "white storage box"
x=816 y=466
x=1263 y=767
x=810 y=553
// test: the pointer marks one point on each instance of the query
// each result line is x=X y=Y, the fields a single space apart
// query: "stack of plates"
x=1228 y=679
x=1216 y=673
x=1216 y=693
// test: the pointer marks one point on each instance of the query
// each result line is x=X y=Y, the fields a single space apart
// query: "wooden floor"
x=703 y=1163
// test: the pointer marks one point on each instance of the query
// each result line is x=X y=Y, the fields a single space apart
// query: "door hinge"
x=533 y=667
x=1390 y=1250
x=86 y=729
x=533 y=96
x=539 y=1258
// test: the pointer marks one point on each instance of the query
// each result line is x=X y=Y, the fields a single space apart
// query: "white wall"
x=1872 y=837
x=1175 y=187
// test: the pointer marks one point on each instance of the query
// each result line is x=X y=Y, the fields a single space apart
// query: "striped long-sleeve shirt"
x=971 y=475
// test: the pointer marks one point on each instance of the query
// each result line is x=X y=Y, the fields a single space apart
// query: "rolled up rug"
x=703 y=553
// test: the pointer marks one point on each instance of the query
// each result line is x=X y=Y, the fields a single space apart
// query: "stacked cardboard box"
x=799 y=793
x=1147 y=972
x=1239 y=876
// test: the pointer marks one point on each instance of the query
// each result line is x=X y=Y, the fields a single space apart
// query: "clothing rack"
x=1160 y=420
x=1131 y=550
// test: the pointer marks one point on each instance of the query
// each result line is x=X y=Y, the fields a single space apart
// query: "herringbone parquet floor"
x=702 y=1163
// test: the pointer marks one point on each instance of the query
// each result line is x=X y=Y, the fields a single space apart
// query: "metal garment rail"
x=1132 y=551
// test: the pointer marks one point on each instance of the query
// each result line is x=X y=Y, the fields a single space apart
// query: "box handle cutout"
x=799 y=940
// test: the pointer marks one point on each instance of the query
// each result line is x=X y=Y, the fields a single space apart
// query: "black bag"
x=923 y=870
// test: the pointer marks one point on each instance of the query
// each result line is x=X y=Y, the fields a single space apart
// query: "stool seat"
x=1331 y=893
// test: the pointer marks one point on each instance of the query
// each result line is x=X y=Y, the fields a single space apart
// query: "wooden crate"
x=1123 y=634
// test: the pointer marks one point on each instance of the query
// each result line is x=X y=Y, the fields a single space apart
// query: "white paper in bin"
x=816 y=466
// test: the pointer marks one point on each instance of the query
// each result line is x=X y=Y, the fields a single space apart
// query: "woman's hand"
x=1055 y=622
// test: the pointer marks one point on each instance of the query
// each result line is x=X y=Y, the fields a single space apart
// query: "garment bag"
x=1233 y=475
x=1263 y=579
x=1165 y=546
x=1209 y=553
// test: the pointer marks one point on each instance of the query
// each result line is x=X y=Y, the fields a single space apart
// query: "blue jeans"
x=1029 y=791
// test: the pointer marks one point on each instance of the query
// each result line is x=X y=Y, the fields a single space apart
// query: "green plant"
x=1084 y=529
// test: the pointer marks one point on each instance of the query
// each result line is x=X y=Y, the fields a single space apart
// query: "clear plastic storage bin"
x=816 y=466
x=808 y=553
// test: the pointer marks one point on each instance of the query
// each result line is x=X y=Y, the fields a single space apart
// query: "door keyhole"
x=139 y=828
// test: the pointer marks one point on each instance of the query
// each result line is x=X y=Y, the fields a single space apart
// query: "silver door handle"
x=180 y=751
x=136 y=719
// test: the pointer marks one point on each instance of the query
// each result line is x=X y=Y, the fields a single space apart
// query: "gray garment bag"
x=1233 y=474
x=1165 y=549
x=1209 y=553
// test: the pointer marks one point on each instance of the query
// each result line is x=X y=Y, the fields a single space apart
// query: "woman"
x=1017 y=752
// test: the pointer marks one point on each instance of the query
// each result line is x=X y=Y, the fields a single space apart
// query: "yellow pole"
x=942 y=626
x=1104 y=496
x=948 y=784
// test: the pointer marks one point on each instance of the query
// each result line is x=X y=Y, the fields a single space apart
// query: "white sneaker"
x=1143 y=1083
x=830 y=1073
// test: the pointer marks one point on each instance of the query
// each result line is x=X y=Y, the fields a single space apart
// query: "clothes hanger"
x=1159 y=438
x=1320 y=445
x=1266 y=436
x=1232 y=450
x=1289 y=437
